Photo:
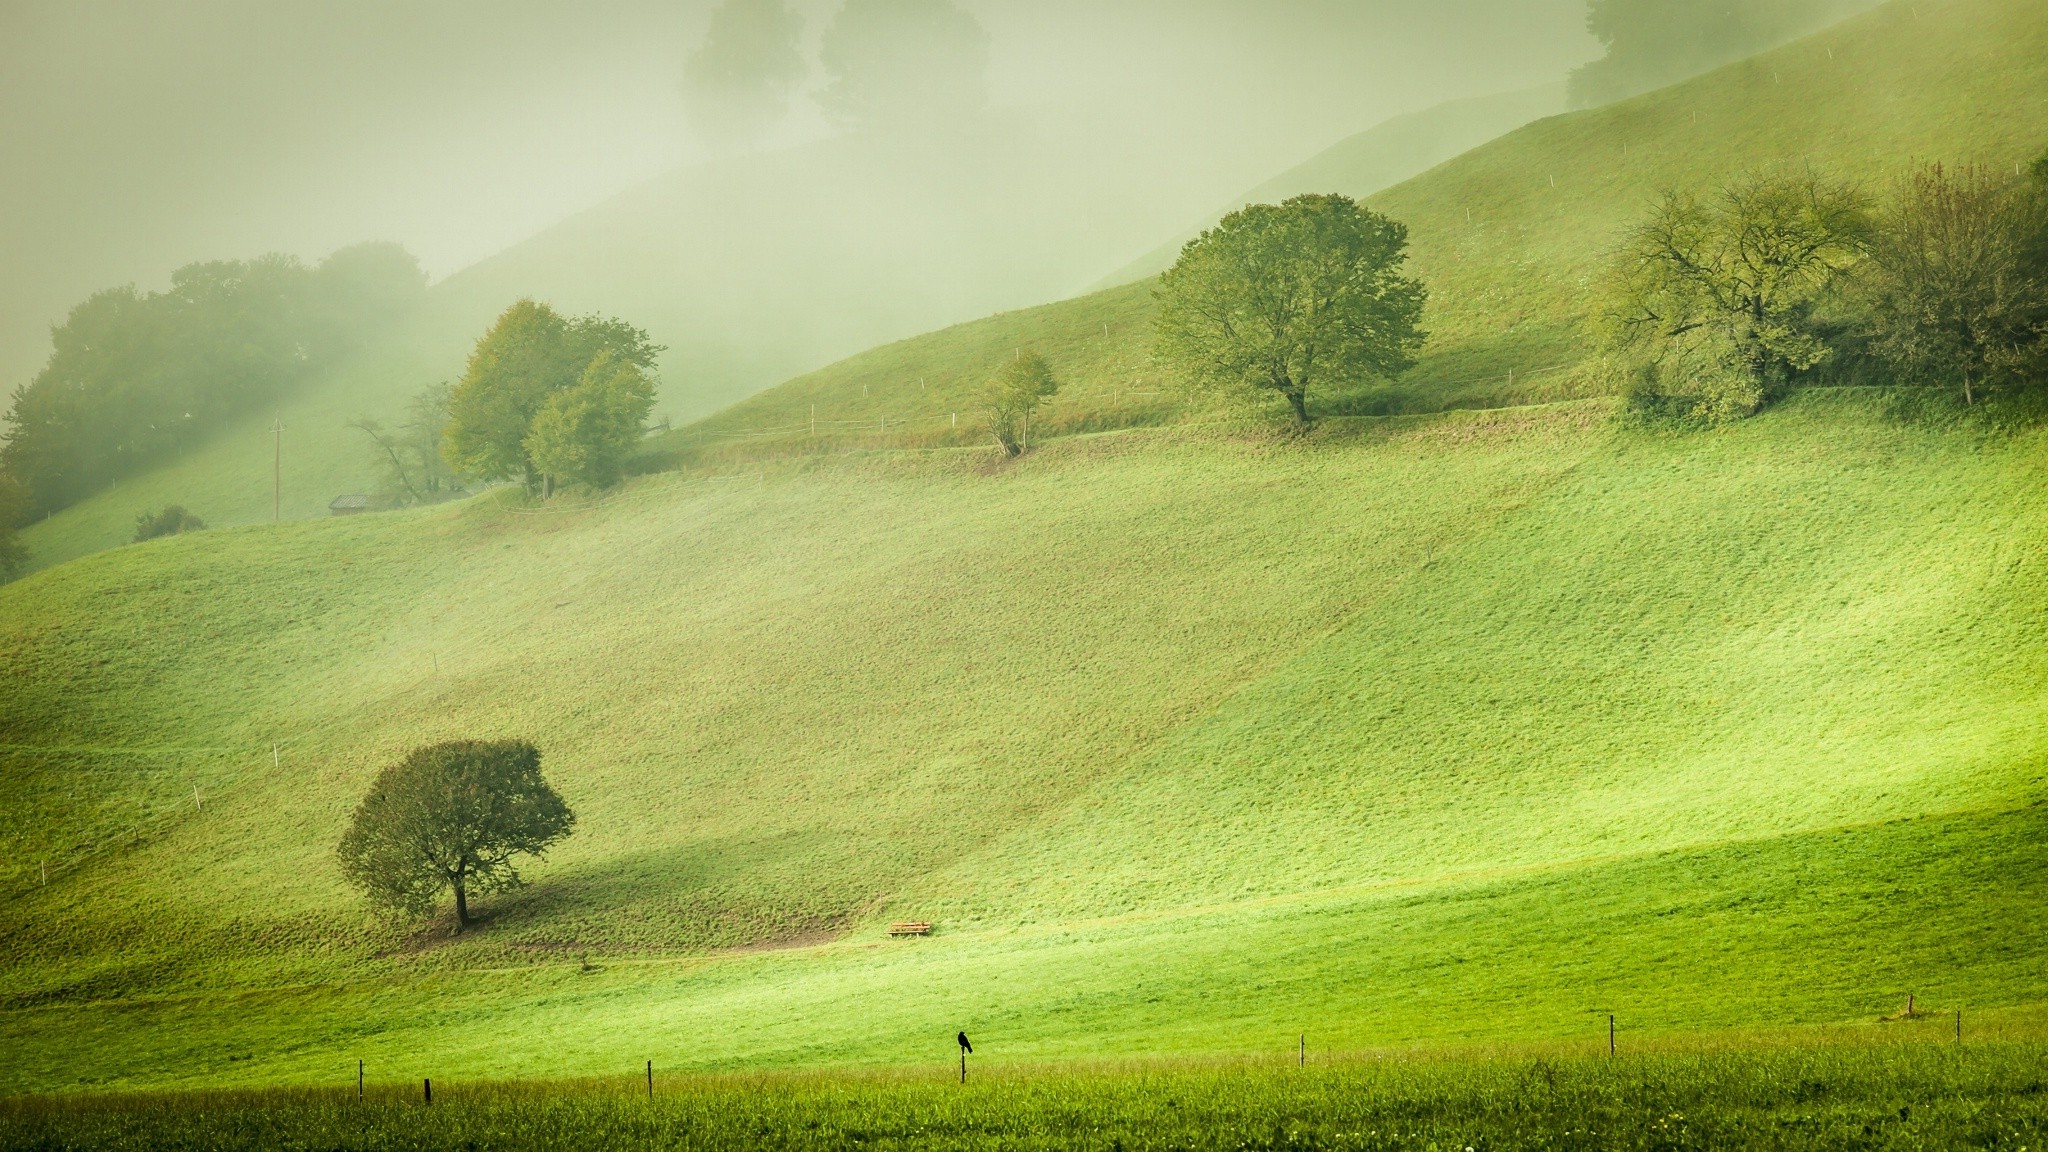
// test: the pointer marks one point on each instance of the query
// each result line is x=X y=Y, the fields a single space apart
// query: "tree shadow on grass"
x=708 y=895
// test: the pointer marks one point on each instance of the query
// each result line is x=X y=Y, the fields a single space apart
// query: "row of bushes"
x=1718 y=303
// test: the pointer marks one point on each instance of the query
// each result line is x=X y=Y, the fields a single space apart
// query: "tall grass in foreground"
x=1919 y=1096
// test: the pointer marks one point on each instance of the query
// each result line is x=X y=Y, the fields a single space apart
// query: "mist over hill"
x=140 y=140
x=1483 y=709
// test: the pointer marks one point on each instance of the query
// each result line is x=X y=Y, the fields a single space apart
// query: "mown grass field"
x=1916 y=1096
x=1424 y=730
x=1421 y=734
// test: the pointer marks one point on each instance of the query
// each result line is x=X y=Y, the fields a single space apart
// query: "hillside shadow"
x=709 y=895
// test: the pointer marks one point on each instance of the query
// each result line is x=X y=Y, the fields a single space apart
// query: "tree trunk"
x=1300 y=402
x=461 y=905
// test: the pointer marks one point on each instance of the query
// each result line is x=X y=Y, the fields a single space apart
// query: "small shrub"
x=169 y=522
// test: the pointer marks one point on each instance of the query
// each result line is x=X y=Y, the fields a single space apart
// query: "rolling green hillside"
x=1507 y=254
x=1453 y=727
x=1509 y=236
x=1427 y=728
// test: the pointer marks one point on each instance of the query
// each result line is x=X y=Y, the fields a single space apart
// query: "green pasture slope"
x=1893 y=1098
x=1509 y=236
x=1507 y=255
x=1447 y=728
x=1450 y=729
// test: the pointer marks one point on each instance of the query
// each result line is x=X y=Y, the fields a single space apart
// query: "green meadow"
x=1462 y=728
x=1894 y=1097
x=1509 y=237
x=1265 y=790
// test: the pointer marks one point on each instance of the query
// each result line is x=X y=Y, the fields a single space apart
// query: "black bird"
x=964 y=1045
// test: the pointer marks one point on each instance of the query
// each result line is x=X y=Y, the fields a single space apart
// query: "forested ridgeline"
x=136 y=377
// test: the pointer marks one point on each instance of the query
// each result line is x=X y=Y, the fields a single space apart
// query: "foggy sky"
x=138 y=135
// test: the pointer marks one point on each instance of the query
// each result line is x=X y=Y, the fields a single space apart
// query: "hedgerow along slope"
x=1464 y=726
x=1508 y=253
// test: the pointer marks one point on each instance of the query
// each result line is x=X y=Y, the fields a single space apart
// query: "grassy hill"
x=1508 y=255
x=1466 y=726
x=748 y=271
x=1510 y=236
x=1448 y=728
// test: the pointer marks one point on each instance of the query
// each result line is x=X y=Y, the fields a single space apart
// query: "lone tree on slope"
x=452 y=816
x=1014 y=394
x=1289 y=298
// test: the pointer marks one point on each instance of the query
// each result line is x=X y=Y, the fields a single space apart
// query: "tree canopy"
x=1958 y=279
x=1291 y=298
x=134 y=378
x=736 y=85
x=895 y=61
x=452 y=818
x=529 y=355
x=1712 y=301
x=584 y=433
x=1014 y=394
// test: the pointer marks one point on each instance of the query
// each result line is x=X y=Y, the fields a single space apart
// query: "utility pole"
x=277 y=468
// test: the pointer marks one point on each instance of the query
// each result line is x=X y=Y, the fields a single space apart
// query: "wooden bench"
x=910 y=928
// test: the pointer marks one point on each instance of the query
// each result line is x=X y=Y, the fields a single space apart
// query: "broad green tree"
x=1291 y=298
x=452 y=818
x=1958 y=294
x=736 y=86
x=1712 y=301
x=1014 y=394
x=529 y=354
x=583 y=434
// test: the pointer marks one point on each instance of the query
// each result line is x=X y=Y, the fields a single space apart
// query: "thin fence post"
x=427 y=1087
x=1959 y=1025
x=1610 y=1033
x=650 y=1081
x=359 y=1081
x=1304 y=1049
